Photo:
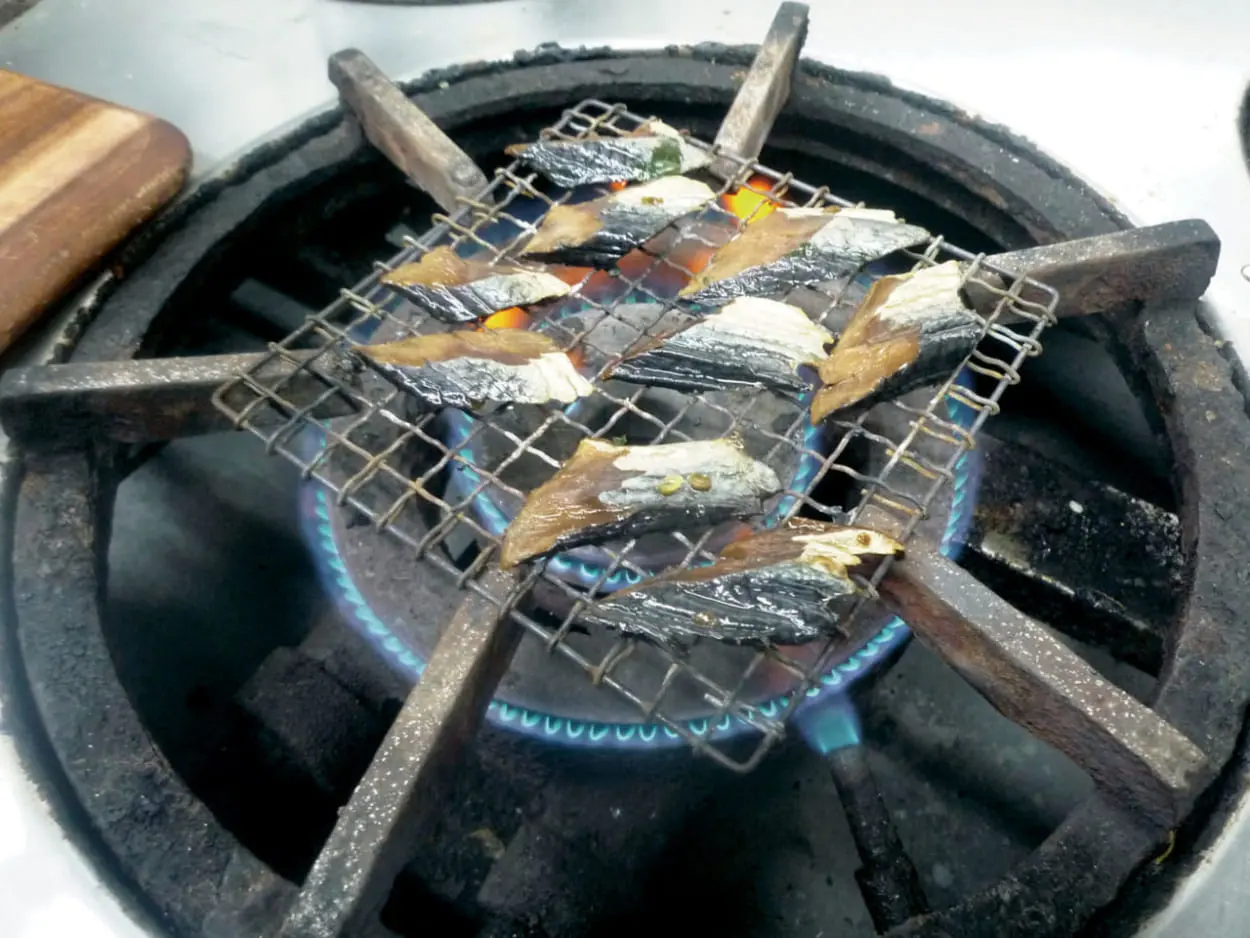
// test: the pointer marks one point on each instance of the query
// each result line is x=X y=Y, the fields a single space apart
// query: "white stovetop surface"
x=1140 y=97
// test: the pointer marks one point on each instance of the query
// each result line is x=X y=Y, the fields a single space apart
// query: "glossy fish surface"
x=776 y=587
x=910 y=330
x=454 y=289
x=467 y=369
x=600 y=232
x=749 y=343
x=604 y=492
x=653 y=151
x=799 y=246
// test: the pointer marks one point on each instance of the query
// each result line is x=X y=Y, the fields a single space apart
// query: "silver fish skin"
x=600 y=232
x=777 y=587
x=654 y=151
x=468 y=369
x=849 y=239
x=751 y=343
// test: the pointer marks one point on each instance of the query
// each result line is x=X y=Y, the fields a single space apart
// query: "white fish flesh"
x=600 y=232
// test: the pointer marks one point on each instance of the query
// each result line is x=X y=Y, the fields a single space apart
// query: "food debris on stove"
x=653 y=151
x=605 y=492
x=799 y=247
x=454 y=289
x=910 y=330
x=774 y=587
x=601 y=231
x=751 y=343
x=467 y=369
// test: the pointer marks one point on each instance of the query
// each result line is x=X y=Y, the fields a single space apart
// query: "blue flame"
x=825 y=715
x=830 y=691
x=832 y=725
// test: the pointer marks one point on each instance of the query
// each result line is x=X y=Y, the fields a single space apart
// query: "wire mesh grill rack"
x=393 y=465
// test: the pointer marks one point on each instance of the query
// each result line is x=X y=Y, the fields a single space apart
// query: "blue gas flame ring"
x=315 y=516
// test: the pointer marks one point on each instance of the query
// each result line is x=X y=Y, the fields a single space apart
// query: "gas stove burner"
x=472 y=474
x=640 y=297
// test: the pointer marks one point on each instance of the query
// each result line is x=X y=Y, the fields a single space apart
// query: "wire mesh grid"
x=391 y=464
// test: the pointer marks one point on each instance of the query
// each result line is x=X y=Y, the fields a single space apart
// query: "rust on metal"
x=404 y=785
x=1042 y=685
x=1164 y=263
x=403 y=132
x=764 y=91
x=62 y=407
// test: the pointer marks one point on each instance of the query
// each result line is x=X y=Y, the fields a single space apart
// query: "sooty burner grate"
x=66 y=496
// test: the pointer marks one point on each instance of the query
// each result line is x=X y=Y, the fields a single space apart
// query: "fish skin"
x=910 y=330
x=467 y=369
x=605 y=492
x=751 y=343
x=654 y=151
x=600 y=232
x=839 y=247
x=457 y=290
x=776 y=587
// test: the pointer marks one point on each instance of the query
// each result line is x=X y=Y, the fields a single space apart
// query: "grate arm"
x=1036 y=681
x=1156 y=264
x=403 y=132
x=399 y=793
x=64 y=407
x=764 y=92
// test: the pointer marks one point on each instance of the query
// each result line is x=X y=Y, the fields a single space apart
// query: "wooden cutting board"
x=76 y=176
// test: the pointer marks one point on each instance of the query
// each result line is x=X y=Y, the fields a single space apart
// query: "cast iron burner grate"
x=392 y=467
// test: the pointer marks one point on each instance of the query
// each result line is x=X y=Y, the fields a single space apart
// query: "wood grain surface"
x=76 y=176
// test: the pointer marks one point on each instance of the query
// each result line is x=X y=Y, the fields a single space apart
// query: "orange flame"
x=511 y=318
x=617 y=185
x=634 y=264
x=691 y=255
x=570 y=275
x=752 y=201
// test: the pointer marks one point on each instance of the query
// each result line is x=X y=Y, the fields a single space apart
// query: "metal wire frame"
x=366 y=461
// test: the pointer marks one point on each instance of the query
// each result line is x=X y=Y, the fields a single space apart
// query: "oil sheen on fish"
x=606 y=492
x=775 y=587
x=454 y=289
x=799 y=246
x=750 y=343
x=467 y=369
x=910 y=330
x=600 y=232
x=653 y=151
